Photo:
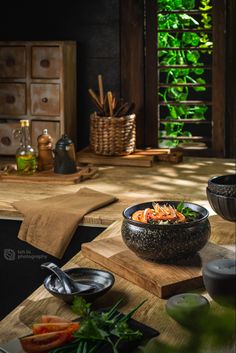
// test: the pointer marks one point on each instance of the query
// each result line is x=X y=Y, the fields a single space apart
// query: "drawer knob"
x=10 y=99
x=45 y=63
x=44 y=100
x=6 y=140
x=10 y=62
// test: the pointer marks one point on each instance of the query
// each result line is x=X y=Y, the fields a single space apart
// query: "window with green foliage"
x=184 y=54
x=174 y=67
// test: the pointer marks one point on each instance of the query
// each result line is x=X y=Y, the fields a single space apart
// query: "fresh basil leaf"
x=80 y=306
x=180 y=207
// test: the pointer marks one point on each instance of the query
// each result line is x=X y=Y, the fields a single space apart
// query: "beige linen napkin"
x=49 y=224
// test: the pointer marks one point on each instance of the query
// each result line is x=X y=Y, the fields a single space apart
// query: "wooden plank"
x=218 y=79
x=162 y=280
x=132 y=160
x=230 y=94
x=50 y=177
x=132 y=59
x=151 y=77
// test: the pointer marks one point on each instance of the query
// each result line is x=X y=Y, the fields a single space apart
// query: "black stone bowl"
x=219 y=277
x=165 y=243
x=224 y=206
x=224 y=185
x=101 y=280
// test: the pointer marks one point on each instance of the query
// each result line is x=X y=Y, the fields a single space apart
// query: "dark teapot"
x=65 y=160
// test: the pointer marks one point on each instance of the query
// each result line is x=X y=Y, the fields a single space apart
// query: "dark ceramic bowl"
x=165 y=243
x=222 y=205
x=219 y=277
x=224 y=185
x=101 y=280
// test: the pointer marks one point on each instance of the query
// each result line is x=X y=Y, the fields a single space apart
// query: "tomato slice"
x=53 y=318
x=44 y=342
x=39 y=328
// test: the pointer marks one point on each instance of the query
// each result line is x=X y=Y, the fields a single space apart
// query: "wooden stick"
x=109 y=97
x=153 y=151
x=95 y=98
x=122 y=110
x=113 y=103
x=100 y=87
x=105 y=106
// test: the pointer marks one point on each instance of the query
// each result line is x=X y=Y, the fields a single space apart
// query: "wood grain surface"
x=50 y=177
x=20 y=320
x=134 y=159
x=163 y=181
x=162 y=280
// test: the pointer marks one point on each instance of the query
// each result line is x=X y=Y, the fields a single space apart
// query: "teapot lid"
x=64 y=141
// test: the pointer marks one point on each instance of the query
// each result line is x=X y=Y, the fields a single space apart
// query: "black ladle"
x=69 y=285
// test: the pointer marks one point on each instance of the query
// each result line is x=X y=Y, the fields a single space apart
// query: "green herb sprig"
x=99 y=328
x=187 y=212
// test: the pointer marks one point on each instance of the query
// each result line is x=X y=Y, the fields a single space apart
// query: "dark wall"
x=93 y=24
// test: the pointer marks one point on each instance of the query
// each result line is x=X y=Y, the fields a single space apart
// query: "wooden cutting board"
x=50 y=177
x=162 y=280
x=132 y=160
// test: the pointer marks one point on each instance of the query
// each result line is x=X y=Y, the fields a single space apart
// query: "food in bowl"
x=166 y=242
x=165 y=214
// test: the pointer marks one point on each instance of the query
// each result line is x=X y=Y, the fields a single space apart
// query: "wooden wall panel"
x=94 y=25
x=151 y=122
x=132 y=59
x=218 y=79
x=230 y=79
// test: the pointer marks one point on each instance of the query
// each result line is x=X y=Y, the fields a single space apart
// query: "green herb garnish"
x=99 y=328
x=187 y=212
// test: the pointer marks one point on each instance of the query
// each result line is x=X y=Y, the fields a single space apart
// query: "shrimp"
x=143 y=215
x=181 y=217
x=159 y=213
x=165 y=212
x=139 y=216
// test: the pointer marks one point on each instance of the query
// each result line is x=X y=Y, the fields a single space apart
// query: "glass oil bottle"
x=26 y=160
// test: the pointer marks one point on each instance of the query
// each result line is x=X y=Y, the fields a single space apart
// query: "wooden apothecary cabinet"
x=37 y=82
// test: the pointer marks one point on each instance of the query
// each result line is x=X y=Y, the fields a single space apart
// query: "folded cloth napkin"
x=49 y=224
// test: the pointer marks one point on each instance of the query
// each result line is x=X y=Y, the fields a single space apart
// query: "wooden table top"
x=184 y=181
x=163 y=181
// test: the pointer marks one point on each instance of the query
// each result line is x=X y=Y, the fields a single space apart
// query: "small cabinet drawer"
x=12 y=62
x=12 y=99
x=46 y=62
x=8 y=144
x=45 y=99
x=37 y=127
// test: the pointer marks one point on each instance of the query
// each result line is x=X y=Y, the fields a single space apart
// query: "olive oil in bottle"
x=26 y=160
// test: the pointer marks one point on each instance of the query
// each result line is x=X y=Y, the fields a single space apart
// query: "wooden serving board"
x=50 y=177
x=162 y=280
x=132 y=160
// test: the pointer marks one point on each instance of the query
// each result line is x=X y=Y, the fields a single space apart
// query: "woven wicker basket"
x=110 y=136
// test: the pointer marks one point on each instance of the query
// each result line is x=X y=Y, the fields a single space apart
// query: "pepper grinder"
x=45 y=154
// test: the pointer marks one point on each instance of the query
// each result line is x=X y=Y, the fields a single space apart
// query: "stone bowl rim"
x=163 y=226
x=214 y=180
